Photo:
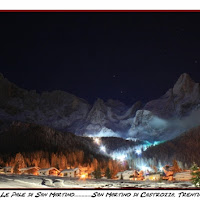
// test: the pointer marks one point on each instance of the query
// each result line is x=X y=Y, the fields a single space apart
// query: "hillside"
x=42 y=146
x=185 y=148
x=33 y=141
x=32 y=137
x=115 y=143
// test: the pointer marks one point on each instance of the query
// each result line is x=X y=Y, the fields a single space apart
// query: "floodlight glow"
x=161 y=169
x=97 y=141
x=83 y=176
x=121 y=158
x=103 y=148
x=143 y=168
x=138 y=151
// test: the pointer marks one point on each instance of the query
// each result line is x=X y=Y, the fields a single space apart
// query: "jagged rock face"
x=111 y=118
x=170 y=115
x=178 y=101
x=56 y=109
x=147 y=126
x=64 y=111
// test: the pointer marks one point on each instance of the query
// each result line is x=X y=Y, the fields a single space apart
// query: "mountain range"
x=160 y=119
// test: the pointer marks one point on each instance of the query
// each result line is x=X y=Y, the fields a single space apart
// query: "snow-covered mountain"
x=110 y=118
x=64 y=111
x=178 y=101
x=161 y=119
x=165 y=118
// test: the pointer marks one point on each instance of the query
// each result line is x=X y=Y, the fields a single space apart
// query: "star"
x=114 y=76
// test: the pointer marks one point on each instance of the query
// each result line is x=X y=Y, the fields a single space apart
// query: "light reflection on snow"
x=97 y=140
x=127 y=154
x=103 y=148
x=121 y=156
x=29 y=181
x=138 y=151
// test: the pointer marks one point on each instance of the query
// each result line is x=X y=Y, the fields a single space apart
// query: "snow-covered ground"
x=29 y=181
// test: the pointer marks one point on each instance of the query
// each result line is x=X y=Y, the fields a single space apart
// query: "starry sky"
x=125 y=56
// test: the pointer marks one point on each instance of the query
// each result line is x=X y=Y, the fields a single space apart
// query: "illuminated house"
x=70 y=172
x=126 y=175
x=168 y=171
x=1 y=170
x=152 y=177
x=8 y=170
x=183 y=176
x=30 y=170
x=48 y=171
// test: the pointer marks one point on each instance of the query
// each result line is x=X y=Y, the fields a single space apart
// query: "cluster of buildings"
x=166 y=174
x=6 y=170
x=76 y=172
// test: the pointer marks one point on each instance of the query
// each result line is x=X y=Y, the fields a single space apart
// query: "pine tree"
x=97 y=173
x=16 y=169
x=108 y=173
x=195 y=175
x=176 y=167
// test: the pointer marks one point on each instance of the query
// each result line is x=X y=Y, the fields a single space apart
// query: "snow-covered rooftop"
x=28 y=168
x=9 y=167
x=47 y=169
x=69 y=170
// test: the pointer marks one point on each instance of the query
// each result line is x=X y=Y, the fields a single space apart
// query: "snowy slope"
x=28 y=181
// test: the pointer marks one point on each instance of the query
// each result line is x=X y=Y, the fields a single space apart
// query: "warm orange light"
x=83 y=176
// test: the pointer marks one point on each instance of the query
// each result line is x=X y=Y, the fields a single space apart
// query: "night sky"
x=124 y=56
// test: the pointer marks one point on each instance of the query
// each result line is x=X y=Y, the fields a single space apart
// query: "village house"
x=91 y=175
x=29 y=170
x=70 y=172
x=48 y=171
x=130 y=175
x=169 y=172
x=152 y=177
x=119 y=175
x=125 y=175
x=1 y=170
x=183 y=176
x=8 y=170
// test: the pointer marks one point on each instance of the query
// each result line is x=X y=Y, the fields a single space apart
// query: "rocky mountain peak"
x=184 y=84
x=178 y=101
x=99 y=101
x=98 y=111
x=99 y=104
